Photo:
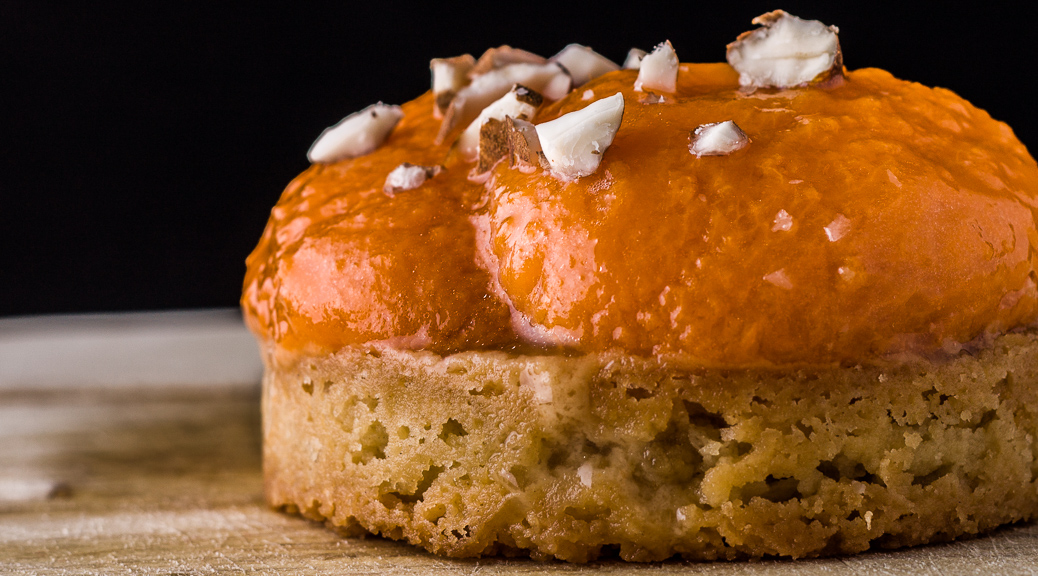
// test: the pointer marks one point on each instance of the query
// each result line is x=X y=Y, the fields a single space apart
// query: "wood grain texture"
x=167 y=481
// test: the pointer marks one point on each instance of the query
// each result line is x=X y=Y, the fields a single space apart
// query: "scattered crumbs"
x=681 y=515
x=779 y=278
x=783 y=222
x=702 y=198
x=838 y=228
x=617 y=332
x=588 y=94
x=882 y=377
x=699 y=263
x=584 y=472
x=893 y=179
x=845 y=272
x=797 y=181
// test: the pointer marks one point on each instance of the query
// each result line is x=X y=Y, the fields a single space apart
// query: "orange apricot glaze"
x=341 y=262
x=911 y=228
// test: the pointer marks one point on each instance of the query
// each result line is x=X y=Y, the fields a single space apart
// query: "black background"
x=143 y=145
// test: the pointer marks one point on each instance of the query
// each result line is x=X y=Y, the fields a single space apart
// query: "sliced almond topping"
x=493 y=144
x=574 y=143
x=583 y=63
x=550 y=80
x=524 y=146
x=448 y=76
x=408 y=177
x=634 y=59
x=519 y=102
x=557 y=85
x=358 y=134
x=717 y=139
x=658 y=70
x=786 y=51
x=503 y=56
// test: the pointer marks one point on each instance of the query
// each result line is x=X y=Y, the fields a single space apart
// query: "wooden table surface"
x=109 y=465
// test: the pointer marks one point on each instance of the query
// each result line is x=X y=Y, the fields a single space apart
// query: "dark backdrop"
x=144 y=144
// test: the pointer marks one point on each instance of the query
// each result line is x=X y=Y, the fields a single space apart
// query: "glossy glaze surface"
x=866 y=218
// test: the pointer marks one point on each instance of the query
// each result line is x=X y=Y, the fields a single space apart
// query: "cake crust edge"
x=573 y=457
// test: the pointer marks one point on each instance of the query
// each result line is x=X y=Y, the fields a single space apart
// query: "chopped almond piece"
x=634 y=59
x=658 y=70
x=503 y=56
x=550 y=80
x=408 y=177
x=519 y=102
x=786 y=51
x=448 y=76
x=583 y=63
x=574 y=143
x=524 y=146
x=493 y=144
x=717 y=139
x=358 y=134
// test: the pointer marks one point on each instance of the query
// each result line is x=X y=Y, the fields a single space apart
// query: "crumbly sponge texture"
x=480 y=453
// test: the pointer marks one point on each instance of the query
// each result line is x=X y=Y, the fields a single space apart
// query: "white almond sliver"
x=358 y=134
x=448 y=76
x=503 y=56
x=520 y=102
x=550 y=80
x=658 y=70
x=717 y=139
x=583 y=63
x=574 y=143
x=450 y=73
x=408 y=177
x=786 y=51
x=634 y=59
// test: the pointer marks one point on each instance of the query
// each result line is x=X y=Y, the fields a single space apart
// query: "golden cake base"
x=575 y=457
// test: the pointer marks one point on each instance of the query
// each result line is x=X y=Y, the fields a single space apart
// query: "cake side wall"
x=484 y=452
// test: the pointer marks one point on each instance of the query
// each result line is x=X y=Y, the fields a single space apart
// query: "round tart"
x=562 y=308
